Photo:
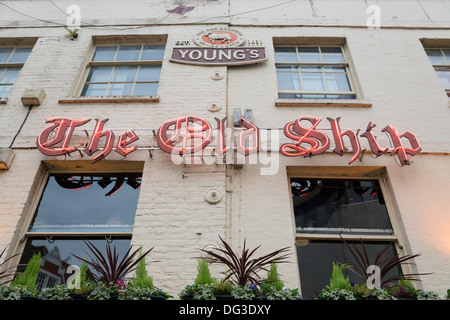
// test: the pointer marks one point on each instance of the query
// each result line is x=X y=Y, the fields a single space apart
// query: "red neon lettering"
x=340 y=149
x=399 y=149
x=125 y=139
x=295 y=131
x=65 y=130
x=220 y=145
x=97 y=134
x=374 y=146
x=253 y=131
x=202 y=132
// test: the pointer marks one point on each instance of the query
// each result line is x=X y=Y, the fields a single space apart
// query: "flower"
x=121 y=285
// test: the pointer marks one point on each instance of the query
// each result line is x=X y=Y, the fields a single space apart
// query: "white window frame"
x=444 y=66
x=345 y=64
x=7 y=64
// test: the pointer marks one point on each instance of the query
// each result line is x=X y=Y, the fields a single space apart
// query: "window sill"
x=3 y=100
x=115 y=99
x=322 y=103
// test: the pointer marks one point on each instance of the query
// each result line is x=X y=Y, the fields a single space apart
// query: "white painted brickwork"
x=389 y=65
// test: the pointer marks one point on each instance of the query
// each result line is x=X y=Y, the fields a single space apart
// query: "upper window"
x=11 y=61
x=329 y=210
x=96 y=207
x=440 y=58
x=313 y=72
x=124 y=70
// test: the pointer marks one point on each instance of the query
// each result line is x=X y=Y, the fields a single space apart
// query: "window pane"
x=124 y=74
x=316 y=257
x=447 y=54
x=285 y=54
x=87 y=203
x=145 y=89
x=57 y=256
x=20 y=55
x=4 y=54
x=154 y=52
x=4 y=90
x=435 y=56
x=288 y=81
x=105 y=54
x=128 y=53
x=332 y=55
x=94 y=90
x=444 y=76
x=330 y=206
x=337 y=82
x=10 y=75
x=313 y=82
x=99 y=74
x=311 y=68
x=149 y=73
x=309 y=54
x=120 y=89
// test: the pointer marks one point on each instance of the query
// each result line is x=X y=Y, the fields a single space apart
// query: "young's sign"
x=218 y=46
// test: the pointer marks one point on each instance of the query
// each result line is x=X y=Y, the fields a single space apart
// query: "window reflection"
x=336 y=206
x=87 y=203
x=57 y=256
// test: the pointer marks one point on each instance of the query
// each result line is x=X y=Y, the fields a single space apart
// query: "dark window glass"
x=88 y=203
x=339 y=206
x=315 y=259
x=57 y=256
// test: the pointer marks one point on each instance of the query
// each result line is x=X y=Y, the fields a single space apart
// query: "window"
x=326 y=210
x=12 y=60
x=307 y=72
x=440 y=59
x=95 y=207
x=124 y=70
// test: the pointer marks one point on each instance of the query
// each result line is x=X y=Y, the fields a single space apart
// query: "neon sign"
x=189 y=135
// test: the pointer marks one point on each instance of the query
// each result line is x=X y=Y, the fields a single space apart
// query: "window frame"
x=8 y=65
x=437 y=66
x=398 y=235
x=90 y=63
x=345 y=64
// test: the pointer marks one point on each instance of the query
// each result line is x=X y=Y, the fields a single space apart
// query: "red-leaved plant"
x=243 y=269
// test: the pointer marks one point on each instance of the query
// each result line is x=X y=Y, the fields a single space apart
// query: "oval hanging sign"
x=218 y=46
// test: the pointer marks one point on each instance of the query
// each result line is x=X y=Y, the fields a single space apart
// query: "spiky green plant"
x=203 y=273
x=338 y=280
x=142 y=279
x=273 y=278
x=29 y=275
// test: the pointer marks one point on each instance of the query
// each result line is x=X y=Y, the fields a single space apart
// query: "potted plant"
x=339 y=287
x=25 y=283
x=141 y=287
x=242 y=278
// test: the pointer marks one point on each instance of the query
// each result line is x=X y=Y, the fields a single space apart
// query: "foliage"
x=361 y=290
x=29 y=275
x=60 y=292
x=336 y=294
x=73 y=34
x=244 y=292
x=362 y=262
x=272 y=292
x=381 y=294
x=140 y=293
x=203 y=273
x=426 y=295
x=222 y=287
x=103 y=291
x=15 y=292
x=141 y=279
x=243 y=269
x=273 y=278
x=404 y=289
x=6 y=273
x=338 y=280
x=111 y=268
x=447 y=295
x=85 y=286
